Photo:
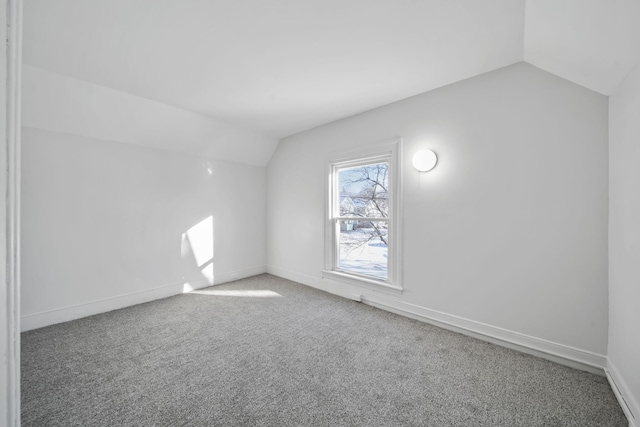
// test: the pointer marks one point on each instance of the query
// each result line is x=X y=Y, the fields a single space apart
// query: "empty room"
x=321 y=213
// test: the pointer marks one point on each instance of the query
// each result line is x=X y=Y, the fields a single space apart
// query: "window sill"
x=352 y=279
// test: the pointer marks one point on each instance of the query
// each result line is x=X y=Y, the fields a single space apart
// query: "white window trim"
x=391 y=151
x=10 y=299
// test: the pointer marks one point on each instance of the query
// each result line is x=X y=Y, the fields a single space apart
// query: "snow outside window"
x=362 y=216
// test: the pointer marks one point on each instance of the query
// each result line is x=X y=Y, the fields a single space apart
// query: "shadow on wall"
x=197 y=252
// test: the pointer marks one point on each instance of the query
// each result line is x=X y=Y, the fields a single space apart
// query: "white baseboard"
x=326 y=285
x=559 y=353
x=77 y=311
x=72 y=312
x=239 y=274
x=629 y=403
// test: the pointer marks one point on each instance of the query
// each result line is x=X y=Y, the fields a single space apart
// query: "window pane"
x=363 y=247
x=363 y=191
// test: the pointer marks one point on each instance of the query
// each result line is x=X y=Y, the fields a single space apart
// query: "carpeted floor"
x=289 y=355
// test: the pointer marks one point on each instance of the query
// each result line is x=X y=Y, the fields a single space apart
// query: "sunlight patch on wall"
x=207 y=273
x=200 y=238
x=197 y=246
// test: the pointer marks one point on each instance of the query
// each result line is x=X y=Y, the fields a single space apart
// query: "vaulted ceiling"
x=283 y=66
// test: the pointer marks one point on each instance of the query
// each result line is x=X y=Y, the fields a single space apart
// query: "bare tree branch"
x=367 y=187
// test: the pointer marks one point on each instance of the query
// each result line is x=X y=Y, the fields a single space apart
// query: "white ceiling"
x=284 y=66
x=594 y=43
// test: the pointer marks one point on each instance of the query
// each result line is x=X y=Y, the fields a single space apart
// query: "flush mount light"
x=424 y=160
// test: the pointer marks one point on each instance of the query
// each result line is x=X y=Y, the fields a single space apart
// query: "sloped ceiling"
x=279 y=67
x=275 y=66
x=594 y=43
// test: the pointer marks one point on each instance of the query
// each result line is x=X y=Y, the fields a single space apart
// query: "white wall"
x=624 y=240
x=104 y=222
x=507 y=236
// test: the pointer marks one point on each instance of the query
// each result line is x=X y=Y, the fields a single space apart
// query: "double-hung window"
x=362 y=228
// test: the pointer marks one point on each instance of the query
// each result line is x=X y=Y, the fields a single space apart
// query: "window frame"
x=386 y=151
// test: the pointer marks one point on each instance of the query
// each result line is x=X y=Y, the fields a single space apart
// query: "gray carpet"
x=302 y=358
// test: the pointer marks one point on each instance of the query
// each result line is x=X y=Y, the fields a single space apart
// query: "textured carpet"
x=265 y=351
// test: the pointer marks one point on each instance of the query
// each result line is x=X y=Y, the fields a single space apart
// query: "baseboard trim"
x=559 y=353
x=77 y=311
x=629 y=404
x=343 y=290
x=239 y=274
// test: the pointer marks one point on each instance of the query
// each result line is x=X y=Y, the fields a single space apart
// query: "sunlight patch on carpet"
x=238 y=293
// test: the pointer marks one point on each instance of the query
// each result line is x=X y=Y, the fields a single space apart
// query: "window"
x=362 y=221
